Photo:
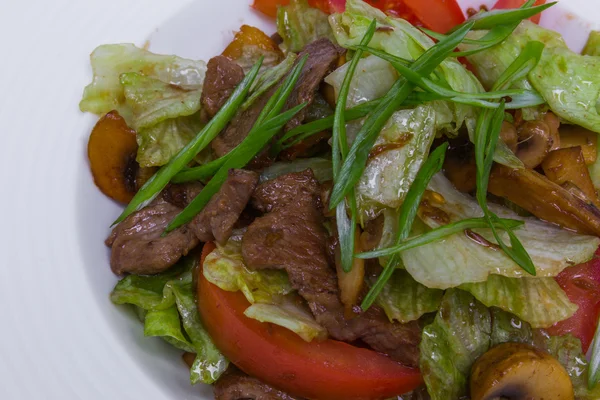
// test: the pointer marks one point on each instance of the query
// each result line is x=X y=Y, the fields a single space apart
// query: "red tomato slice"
x=504 y=4
x=581 y=283
x=438 y=15
x=316 y=370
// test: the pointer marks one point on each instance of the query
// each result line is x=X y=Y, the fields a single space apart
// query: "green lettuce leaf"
x=299 y=24
x=152 y=100
x=268 y=78
x=168 y=306
x=406 y=41
x=539 y=301
x=458 y=259
x=372 y=80
x=167 y=325
x=160 y=142
x=592 y=47
x=225 y=268
x=464 y=329
x=286 y=313
x=403 y=299
x=567 y=80
x=405 y=141
x=459 y=335
x=321 y=167
x=567 y=349
x=269 y=291
x=105 y=92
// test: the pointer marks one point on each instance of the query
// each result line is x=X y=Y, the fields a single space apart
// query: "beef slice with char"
x=218 y=218
x=222 y=77
x=136 y=243
x=236 y=385
x=322 y=58
x=291 y=236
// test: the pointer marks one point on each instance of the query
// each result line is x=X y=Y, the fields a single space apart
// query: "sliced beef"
x=236 y=385
x=322 y=58
x=137 y=245
x=182 y=194
x=222 y=77
x=218 y=218
x=291 y=236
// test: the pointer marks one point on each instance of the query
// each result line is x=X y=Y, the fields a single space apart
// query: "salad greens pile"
x=399 y=90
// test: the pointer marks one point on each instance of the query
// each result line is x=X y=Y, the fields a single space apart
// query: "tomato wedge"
x=581 y=283
x=438 y=15
x=316 y=370
x=504 y=4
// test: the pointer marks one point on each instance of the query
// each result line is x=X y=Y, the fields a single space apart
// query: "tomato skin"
x=316 y=370
x=438 y=15
x=504 y=4
x=581 y=283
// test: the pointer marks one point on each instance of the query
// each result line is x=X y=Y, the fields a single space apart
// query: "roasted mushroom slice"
x=573 y=136
x=508 y=134
x=544 y=199
x=568 y=166
x=519 y=372
x=112 y=148
x=459 y=165
x=536 y=139
x=553 y=123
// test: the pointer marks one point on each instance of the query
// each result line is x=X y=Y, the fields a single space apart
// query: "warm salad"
x=364 y=205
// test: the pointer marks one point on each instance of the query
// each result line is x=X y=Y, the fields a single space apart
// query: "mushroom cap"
x=535 y=141
x=518 y=371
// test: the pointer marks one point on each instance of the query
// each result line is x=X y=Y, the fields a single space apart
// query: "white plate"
x=60 y=337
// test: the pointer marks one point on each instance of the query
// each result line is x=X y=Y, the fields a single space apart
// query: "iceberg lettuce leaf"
x=152 y=100
x=299 y=24
x=405 y=141
x=565 y=79
x=167 y=325
x=459 y=259
x=372 y=80
x=403 y=299
x=159 y=143
x=105 y=92
x=592 y=47
x=539 y=301
x=269 y=292
x=567 y=350
x=406 y=41
x=225 y=268
x=458 y=336
x=399 y=152
x=166 y=302
x=288 y=314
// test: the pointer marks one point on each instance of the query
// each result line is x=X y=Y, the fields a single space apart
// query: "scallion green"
x=268 y=124
x=159 y=181
x=355 y=163
x=594 y=366
x=439 y=233
x=406 y=217
x=487 y=133
x=346 y=225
